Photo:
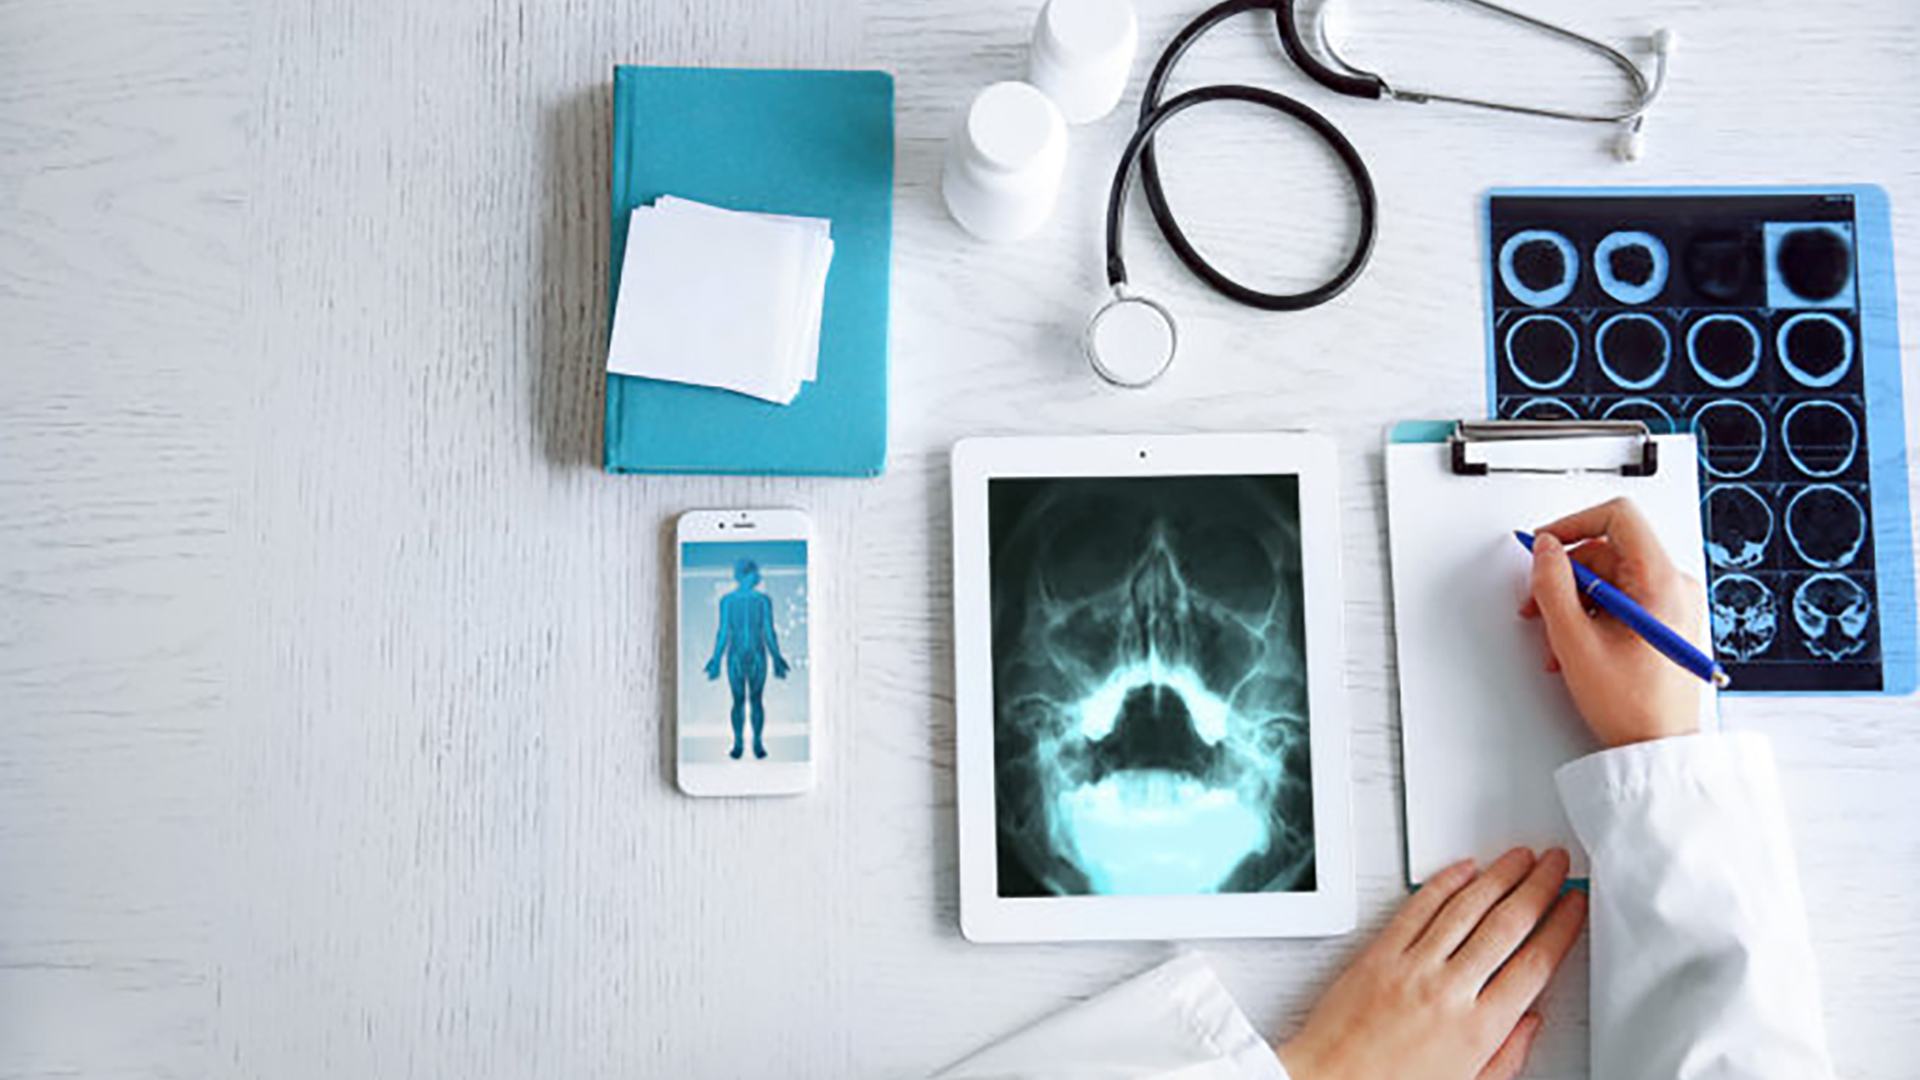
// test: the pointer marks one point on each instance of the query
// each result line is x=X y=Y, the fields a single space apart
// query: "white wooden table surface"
x=334 y=723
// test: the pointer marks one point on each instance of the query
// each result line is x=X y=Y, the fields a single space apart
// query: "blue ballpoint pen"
x=1640 y=621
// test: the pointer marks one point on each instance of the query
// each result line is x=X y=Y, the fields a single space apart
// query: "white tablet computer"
x=1152 y=739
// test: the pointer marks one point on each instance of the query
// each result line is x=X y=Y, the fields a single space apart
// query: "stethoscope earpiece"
x=1631 y=145
x=1336 y=73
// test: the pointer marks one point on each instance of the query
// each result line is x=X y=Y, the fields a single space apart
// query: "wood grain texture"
x=337 y=676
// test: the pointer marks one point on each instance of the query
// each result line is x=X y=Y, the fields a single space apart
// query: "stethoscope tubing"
x=1344 y=79
x=1139 y=153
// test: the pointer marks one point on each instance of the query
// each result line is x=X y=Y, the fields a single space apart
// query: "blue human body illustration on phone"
x=745 y=641
x=744 y=654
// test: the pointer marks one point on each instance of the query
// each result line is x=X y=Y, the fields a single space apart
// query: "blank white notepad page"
x=1483 y=724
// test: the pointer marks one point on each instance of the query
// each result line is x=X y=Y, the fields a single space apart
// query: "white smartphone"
x=746 y=716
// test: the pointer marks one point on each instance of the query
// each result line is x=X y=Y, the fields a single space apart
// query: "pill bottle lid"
x=1087 y=29
x=1011 y=126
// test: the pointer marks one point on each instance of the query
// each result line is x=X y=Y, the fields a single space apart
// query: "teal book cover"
x=811 y=143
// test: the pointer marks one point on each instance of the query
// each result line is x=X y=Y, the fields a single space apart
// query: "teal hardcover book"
x=811 y=143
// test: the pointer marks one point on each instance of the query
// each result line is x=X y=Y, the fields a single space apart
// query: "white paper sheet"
x=1483 y=725
x=813 y=280
x=722 y=298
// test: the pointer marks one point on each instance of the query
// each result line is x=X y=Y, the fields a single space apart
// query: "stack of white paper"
x=722 y=298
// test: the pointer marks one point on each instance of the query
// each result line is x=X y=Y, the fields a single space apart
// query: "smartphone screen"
x=745 y=676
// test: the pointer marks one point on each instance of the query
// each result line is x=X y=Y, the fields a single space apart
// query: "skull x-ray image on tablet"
x=1151 y=739
x=1150 y=686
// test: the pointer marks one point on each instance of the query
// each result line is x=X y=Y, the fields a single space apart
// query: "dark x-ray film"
x=1150 y=686
x=1737 y=317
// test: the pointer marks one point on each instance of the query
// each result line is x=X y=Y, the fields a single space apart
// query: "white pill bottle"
x=1004 y=162
x=1082 y=55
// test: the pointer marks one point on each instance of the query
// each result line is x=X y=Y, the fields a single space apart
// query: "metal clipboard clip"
x=1644 y=459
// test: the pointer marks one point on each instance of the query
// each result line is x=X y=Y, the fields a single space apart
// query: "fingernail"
x=1546 y=542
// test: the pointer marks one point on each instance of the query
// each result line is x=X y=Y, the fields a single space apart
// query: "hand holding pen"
x=1627 y=691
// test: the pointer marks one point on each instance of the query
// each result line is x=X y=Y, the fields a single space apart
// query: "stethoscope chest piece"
x=1130 y=340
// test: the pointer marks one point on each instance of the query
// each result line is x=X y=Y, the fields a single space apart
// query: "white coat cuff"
x=1219 y=1022
x=1594 y=786
x=1176 y=1020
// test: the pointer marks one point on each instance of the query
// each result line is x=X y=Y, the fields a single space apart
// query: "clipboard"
x=1483 y=724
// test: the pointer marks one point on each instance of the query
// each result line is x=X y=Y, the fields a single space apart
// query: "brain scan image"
x=1832 y=611
x=1150 y=686
x=1631 y=266
x=1815 y=348
x=1821 y=438
x=1723 y=264
x=1724 y=350
x=1826 y=526
x=1543 y=351
x=1739 y=526
x=1634 y=350
x=1732 y=437
x=1809 y=264
x=1539 y=267
x=1746 y=617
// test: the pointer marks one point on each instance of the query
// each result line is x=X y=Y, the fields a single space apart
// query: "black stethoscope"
x=1131 y=339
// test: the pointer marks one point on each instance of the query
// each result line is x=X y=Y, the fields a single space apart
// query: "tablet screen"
x=1150 y=686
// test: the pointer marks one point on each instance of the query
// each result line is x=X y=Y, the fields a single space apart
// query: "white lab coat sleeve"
x=1701 y=962
x=1175 y=1022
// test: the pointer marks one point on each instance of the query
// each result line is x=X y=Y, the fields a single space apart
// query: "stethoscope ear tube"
x=1338 y=76
x=1139 y=152
x=1286 y=19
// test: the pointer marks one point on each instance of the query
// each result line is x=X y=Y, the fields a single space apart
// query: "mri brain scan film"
x=1741 y=318
x=1150 y=695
